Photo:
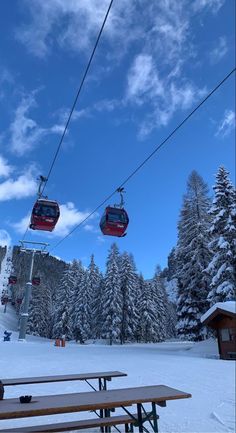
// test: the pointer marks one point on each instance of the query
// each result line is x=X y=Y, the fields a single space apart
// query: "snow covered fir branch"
x=120 y=306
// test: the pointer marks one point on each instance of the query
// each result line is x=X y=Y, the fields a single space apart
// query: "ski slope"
x=190 y=367
x=8 y=319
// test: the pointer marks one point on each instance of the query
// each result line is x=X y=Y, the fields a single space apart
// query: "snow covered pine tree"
x=128 y=291
x=82 y=312
x=193 y=255
x=112 y=299
x=62 y=316
x=222 y=267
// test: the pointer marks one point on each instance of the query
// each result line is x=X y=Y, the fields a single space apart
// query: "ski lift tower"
x=37 y=248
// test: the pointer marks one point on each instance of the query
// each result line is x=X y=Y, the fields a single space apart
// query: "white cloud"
x=161 y=35
x=164 y=95
x=22 y=225
x=5 y=238
x=214 y=5
x=6 y=76
x=107 y=105
x=6 y=80
x=24 y=131
x=69 y=218
x=161 y=26
x=143 y=80
x=169 y=37
x=88 y=227
x=161 y=97
x=78 y=21
x=23 y=186
x=100 y=239
x=63 y=114
x=91 y=228
x=5 y=168
x=220 y=51
x=227 y=124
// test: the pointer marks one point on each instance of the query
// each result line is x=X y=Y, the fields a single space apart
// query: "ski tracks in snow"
x=225 y=415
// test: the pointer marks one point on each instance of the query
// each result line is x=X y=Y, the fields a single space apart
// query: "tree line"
x=120 y=305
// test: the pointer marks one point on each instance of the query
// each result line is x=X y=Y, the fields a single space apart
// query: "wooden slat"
x=77 y=425
x=77 y=402
x=62 y=378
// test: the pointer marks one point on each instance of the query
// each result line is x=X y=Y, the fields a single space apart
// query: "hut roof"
x=228 y=306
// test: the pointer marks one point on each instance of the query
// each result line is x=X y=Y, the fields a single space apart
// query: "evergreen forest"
x=119 y=305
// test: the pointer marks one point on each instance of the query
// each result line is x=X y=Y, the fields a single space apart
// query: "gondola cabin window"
x=117 y=217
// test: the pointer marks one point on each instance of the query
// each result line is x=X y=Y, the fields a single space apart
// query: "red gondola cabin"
x=114 y=221
x=45 y=215
x=36 y=281
x=12 y=279
x=4 y=300
x=19 y=301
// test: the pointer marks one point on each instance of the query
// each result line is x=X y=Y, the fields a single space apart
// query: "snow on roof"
x=226 y=306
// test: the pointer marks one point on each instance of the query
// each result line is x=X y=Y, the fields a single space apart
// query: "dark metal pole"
x=25 y=307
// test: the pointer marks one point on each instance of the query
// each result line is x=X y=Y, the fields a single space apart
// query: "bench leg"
x=1 y=390
x=154 y=413
x=101 y=416
x=129 y=428
x=107 y=414
x=102 y=386
x=101 y=410
x=105 y=384
x=140 y=418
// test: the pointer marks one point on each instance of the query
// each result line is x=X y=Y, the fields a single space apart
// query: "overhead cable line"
x=75 y=100
x=149 y=156
x=78 y=93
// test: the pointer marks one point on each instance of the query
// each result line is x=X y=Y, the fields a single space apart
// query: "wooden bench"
x=102 y=378
x=127 y=420
x=105 y=401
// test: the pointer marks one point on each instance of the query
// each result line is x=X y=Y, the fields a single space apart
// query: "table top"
x=85 y=401
x=62 y=378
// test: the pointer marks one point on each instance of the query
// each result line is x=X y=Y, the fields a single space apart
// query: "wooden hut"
x=222 y=318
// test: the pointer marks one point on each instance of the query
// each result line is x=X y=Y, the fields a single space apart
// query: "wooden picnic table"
x=89 y=401
x=101 y=376
x=107 y=375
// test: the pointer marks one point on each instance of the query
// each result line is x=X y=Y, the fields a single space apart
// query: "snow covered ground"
x=190 y=367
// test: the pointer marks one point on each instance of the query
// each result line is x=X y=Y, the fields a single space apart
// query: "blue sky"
x=154 y=63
